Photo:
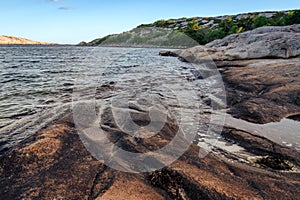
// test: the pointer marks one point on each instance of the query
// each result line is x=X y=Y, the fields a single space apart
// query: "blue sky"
x=72 y=21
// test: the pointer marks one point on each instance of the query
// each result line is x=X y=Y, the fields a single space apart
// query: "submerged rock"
x=168 y=53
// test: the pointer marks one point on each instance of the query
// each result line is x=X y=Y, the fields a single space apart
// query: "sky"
x=73 y=21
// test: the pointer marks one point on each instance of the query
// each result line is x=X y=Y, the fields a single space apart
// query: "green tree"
x=214 y=34
x=261 y=21
x=233 y=29
x=292 y=17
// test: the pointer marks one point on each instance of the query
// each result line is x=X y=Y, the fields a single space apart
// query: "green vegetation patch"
x=187 y=32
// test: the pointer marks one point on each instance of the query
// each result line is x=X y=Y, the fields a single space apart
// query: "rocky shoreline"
x=260 y=69
x=54 y=164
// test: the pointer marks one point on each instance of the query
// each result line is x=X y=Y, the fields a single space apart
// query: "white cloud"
x=66 y=8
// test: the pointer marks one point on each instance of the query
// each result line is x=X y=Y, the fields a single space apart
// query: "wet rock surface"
x=54 y=164
x=263 y=91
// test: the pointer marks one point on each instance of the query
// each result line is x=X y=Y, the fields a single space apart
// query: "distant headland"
x=11 y=40
x=189 y=32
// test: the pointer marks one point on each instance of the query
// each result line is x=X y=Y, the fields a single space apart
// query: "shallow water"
x=286 y=132
x=37 y=84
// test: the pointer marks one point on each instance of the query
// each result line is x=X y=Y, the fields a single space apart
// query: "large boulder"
x=264 y=42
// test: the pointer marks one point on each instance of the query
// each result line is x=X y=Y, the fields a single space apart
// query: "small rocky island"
x=261 y=74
